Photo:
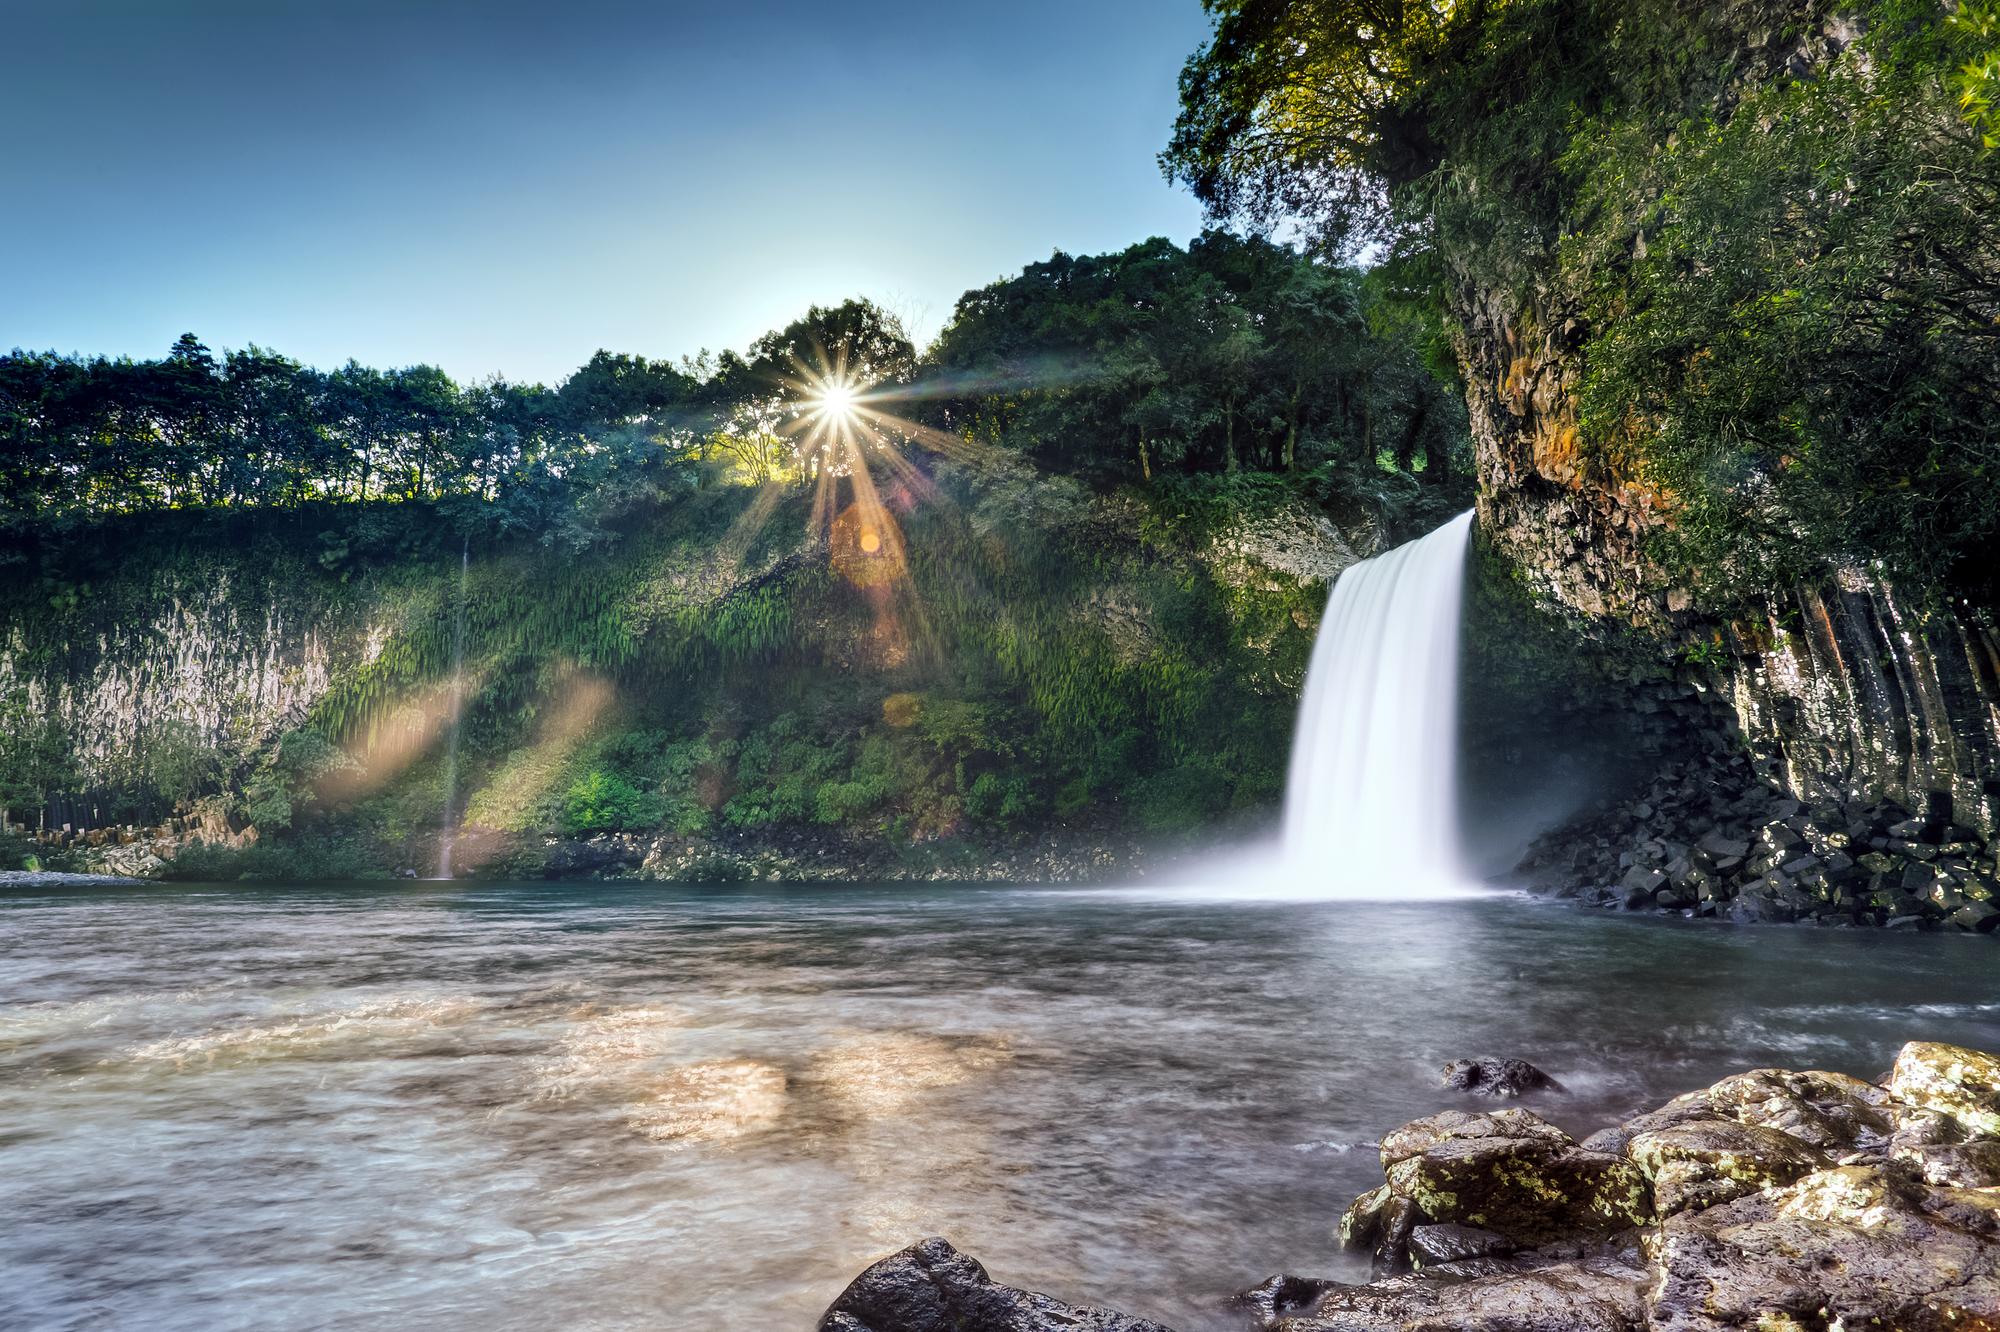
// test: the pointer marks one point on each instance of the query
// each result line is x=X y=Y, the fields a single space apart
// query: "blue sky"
x=505 y=187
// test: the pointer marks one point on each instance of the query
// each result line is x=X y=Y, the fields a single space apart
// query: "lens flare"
x=836 y=400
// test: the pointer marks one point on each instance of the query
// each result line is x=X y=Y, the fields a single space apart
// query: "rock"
x=1514 y=1173
x=1400 y=1219
x=1978 y=917
x=1840 y=1248
x=1280 y=1297
x=932 y=1287
x=1683 y=1109
x=1451 y=1243
x=1497 y=1077
x=1361 y=1224
x=1712 y=1161
x=1640 y=884
x=1960 y=1165
x=1830 y=1111
x=1597 y=1296
x=1959 y=1083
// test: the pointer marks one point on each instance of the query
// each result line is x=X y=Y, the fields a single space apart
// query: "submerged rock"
x=1497 y=1077
x=932 y=1287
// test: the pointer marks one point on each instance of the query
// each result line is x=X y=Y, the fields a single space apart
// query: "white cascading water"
x=1371 y=804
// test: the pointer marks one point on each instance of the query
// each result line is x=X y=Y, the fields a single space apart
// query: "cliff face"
x=1845 y=690
x=1845 y=695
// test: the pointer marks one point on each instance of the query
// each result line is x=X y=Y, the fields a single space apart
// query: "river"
x=582 y=1106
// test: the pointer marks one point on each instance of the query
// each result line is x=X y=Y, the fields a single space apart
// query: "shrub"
x=603 y=801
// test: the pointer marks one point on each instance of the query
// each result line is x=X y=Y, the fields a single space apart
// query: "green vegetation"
x=1775 y=227
x=1004 y=594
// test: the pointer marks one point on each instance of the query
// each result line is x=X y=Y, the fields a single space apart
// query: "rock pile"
x=1697 y=844
x=1774 y=1200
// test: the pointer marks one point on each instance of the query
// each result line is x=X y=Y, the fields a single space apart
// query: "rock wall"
x=233 y=665
x=1844 y=691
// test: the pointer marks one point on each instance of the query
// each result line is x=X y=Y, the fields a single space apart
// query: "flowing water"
x=1370 y=804
x=531 y=1107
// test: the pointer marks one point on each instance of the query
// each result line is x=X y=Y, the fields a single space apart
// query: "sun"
x=836 y=400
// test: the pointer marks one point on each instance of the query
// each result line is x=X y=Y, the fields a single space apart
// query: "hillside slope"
x=991 y=669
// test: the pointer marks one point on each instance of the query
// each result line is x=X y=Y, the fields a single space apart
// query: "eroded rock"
x=932 y=1287
x=1710 y=1161
x=1500 y=1078
x=1513 y=1173
x=1959 y=1083
x=1594 y=1296
x=1849 y=1247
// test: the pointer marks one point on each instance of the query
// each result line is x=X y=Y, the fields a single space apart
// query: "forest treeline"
x=1768 y=234
x=1232 y=353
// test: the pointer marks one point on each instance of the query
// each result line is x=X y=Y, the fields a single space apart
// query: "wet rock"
x=1959 y=1083
x=1280 y=1297
x=1497 y=1077
x=932 y=1287
x=1963 y=1165
x=1449 y=1242
x=1400 y=1219
x=1598 y=1296
x=1712 y=1161
x=1361 y=1224
x=1848 y=1247
x=1686 y=1108
x=1830 y=1111
x=1514 y=1173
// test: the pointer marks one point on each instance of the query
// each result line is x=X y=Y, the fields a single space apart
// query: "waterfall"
x=1371 y=804
x=448 y=825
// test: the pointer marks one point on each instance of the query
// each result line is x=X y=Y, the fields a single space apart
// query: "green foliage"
x=1232 y=354
x=180 y=763
x=601 y=801
x=1193 y=795
x=1803 y=350
x=288 y=776
x=1779 y=229
x=317 y=859
x=1978 y=79
x=37 y=756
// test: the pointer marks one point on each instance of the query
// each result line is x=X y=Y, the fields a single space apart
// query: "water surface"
x=526 y=1107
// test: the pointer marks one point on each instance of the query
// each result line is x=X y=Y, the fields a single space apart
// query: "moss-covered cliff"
x=993 y=659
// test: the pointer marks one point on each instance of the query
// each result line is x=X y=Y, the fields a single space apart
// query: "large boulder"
x=1850 y=1247
x=1710 y=1161
x=1515 y=1174
x=932 y=1287
x=1959 y=1083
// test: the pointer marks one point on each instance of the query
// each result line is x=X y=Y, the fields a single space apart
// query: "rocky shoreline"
x=1704 y=839
x=1774 y=1200
x=1070 y=854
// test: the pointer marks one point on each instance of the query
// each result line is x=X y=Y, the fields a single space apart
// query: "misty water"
x=481 y=1107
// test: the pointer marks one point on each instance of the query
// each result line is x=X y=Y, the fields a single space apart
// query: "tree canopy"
x=1777 y=226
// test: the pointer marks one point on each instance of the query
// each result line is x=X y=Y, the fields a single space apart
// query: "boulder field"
x=1774 y=1200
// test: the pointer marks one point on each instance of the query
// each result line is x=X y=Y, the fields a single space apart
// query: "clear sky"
x=505 y=186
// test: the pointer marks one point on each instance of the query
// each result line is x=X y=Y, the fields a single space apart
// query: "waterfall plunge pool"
x=591 y=1106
